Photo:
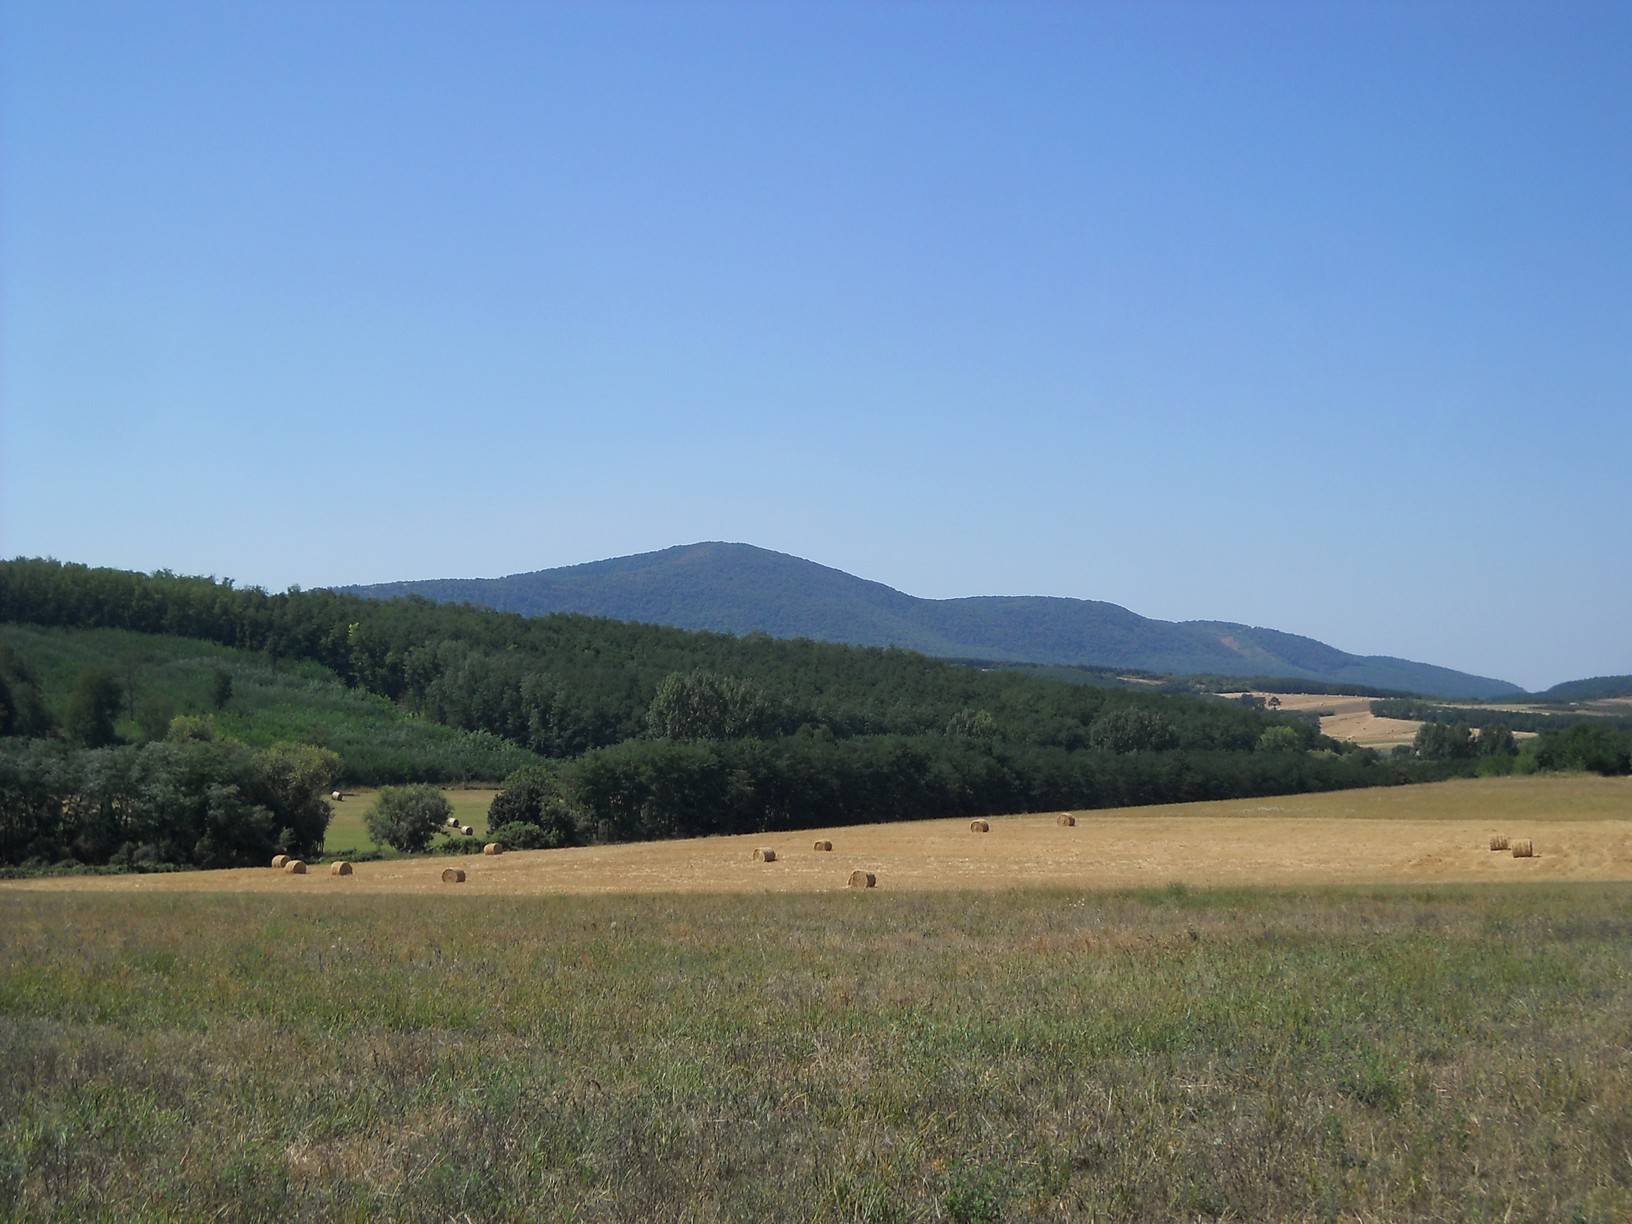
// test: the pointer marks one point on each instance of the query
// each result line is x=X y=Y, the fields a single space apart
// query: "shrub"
x=520 y=835
x=407 y=817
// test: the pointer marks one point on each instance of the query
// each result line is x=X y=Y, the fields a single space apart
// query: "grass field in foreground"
x=1344 y=1054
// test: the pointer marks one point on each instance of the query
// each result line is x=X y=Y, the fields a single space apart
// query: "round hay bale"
x=280 y=861
x=824 y=845
x=1498 y=841
x=493 y=848
x=1522 y=848
x=294 y=867
x=336 y=796
x=979 y=826
x=340 y=868
x=453 y=822
x=453 y=875
x=764 y=854
x=466 y=830
x=863 y=879
x=1066 y=821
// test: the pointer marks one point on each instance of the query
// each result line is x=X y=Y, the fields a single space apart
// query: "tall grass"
x=1177 y=1054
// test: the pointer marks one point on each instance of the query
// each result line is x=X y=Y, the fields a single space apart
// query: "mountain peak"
x=738 y=588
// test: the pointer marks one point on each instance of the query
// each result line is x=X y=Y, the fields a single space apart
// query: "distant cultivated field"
x=1581 y=828
x=1350 y=719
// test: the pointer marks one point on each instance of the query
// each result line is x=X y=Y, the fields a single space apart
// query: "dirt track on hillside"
x=1581 y=829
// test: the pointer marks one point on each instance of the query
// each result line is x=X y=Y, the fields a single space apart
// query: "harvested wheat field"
x=1349 y=719
x=1581 y=828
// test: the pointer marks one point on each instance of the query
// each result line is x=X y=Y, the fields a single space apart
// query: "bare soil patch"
x=1581 y=828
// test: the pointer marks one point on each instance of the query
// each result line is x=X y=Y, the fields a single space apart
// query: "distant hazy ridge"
x=737 y=588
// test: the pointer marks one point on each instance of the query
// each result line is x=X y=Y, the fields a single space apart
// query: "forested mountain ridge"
x=1597 y=688
x=738 y=588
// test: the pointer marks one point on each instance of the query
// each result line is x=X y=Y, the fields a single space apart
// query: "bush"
x=407 y=817
x=520 y=835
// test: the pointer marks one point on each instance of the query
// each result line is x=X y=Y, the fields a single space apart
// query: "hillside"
x=738 y=589
x=161 y=676
x=1598 y=688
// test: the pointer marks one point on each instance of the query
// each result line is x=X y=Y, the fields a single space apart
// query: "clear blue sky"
x=1309 y=315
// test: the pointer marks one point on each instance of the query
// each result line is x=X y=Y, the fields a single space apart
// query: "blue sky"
x=1310 y=315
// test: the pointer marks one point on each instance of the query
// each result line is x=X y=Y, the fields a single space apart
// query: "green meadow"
x=1346 y=1054
x=348 y=820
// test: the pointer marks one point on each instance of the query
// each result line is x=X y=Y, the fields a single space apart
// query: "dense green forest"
x=1598 y=688
x=646 y=731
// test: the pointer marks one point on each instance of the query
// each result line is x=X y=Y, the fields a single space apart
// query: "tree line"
x=1563 y=742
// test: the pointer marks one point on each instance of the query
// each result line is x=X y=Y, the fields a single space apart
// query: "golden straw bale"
x=453 y=875
x=862 y=879
x=824 y=845
x=493 y=848
x=1066 y=820
x=764 y=855
x=1498 y=841
x=280 y=861
x=340 y=868
x=979 y=826
x=295 y=867
x=1522 y=848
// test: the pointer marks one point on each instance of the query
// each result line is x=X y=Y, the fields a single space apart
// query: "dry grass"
x=1435 y=834
x=1350 y=719
x=1356 y=1055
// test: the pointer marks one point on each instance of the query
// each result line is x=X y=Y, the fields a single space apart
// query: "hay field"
x=1349 y=719
x=1581 y=827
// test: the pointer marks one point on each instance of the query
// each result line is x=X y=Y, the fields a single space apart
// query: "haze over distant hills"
x=738 y=589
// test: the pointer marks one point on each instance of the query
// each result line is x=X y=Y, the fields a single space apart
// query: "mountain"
x=1599 y=688
x=739 y=589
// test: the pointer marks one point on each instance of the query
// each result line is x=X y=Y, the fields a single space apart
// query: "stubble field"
x=1277 y=1035
x=1580 y=827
